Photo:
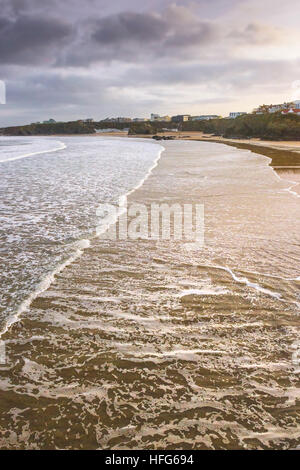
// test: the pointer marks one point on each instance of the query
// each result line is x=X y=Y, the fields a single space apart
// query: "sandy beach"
x=284 y=155
x=144 y=344
x=150 y=274
x=293 y=146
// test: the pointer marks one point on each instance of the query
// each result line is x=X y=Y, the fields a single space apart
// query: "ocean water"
x=50 y=190
x=164 y=344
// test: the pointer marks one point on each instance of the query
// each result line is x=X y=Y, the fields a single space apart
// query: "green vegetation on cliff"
x=73 y=127
x=150 y=127
x=265 y=126
x=81 y=127
x=142 y=128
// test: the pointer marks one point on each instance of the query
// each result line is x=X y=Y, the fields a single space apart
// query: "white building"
x=123 y=119
x=205 y=117
x=234 y=115
x=157 y=117
x=276 y=108
x=296 y=104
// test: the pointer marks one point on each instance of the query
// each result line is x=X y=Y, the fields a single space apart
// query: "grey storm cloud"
x=168 y=30
x=129 y=26
x=126 y=36
x=137 y=37
x=31 y=39
x=237 y=74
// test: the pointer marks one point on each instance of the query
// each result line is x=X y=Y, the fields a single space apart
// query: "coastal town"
x=292 y=107
x=266 y=122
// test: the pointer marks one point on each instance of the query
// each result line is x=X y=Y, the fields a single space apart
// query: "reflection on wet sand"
x=291 y=174
x=169 y=345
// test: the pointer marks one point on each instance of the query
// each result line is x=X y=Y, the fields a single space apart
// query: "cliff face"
x=80 y=127
x=266 y=126
x=73 y=127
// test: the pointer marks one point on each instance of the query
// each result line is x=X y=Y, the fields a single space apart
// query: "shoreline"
x=131 y=311
x=81 y=245
x=284 y=155
x=284 y=159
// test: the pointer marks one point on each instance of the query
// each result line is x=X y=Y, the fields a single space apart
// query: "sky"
x=76 y=59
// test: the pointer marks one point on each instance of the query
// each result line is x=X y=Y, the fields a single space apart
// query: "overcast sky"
x=71 y=59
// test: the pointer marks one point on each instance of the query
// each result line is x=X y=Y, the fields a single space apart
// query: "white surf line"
x=294 y=183
x=273 y=276
x=257 y=287
x=179 y=352
x=42 y=286
x=123 y=198
x=204 y=291
x=289 y=190
x=244 y=280
x=83 y=244
x=20 y=157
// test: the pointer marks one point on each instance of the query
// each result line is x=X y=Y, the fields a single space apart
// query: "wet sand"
x=169 y=345
x=284 y=155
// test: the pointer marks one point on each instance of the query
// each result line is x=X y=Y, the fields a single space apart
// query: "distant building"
x=180 y=118
x=140 y=120
x=234 y=115
x=163 y=119
x=291 y=111
x=275 y=108
x=123 y=119
x=157 y=117
x=296 y=104
x=166 y=119
x=118 y=119
x=258 y=111
x=88 y=120
x=205 y=117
